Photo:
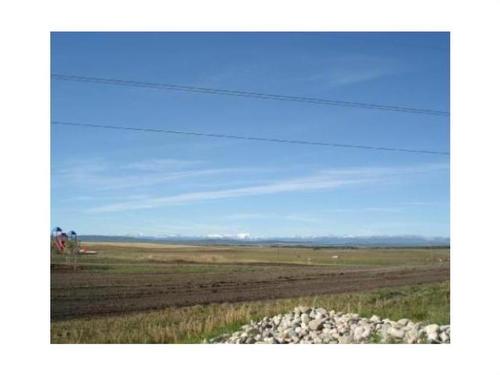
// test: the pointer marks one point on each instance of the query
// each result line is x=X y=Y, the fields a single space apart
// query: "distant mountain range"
x=352 y=241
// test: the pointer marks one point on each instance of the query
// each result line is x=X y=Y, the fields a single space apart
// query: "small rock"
x=335 y=333
x=444 y=337
x=305 y=318
x=342 y=328
x=304 y=309
x=361 y=333
x=411 y=336
x=270 y=340
x=266 y=334
x=316 y=324
x=431 y=328
x=432 y=337
x=321 y=311
x=403 y=322
x=252 y=331
x=397 y=333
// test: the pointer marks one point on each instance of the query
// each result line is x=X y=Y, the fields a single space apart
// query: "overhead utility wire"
x=260 y=139
x=248 y=94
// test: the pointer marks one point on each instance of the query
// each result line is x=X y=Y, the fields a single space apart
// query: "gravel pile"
x=307 y=325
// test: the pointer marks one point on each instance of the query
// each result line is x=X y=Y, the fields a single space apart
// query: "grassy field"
x=127 y=257
x=193 y=324
x=155 y=293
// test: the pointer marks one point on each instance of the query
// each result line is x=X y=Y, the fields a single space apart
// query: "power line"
x=260 y=139
x=247 y=94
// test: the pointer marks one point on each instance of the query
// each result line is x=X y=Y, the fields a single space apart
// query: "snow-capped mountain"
x=246 y=238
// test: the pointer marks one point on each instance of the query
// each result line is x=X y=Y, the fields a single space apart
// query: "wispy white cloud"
x=323 y=180
x=367 y=210
x=157 y=164
x=390 y=171
x=102 y=181
x=99 y=175
x=357 y=68
x=319 y=182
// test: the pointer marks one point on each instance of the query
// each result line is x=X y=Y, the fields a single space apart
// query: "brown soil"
x=83 y=293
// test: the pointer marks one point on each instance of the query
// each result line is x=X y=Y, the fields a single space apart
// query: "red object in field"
x=60 y=242
x=60 y=239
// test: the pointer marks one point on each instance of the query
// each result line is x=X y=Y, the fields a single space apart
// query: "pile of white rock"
x=307 y=325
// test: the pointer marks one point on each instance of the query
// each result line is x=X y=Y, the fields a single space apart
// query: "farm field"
x=154 y=281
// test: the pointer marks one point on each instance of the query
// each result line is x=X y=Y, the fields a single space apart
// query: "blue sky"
x=115 y=182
